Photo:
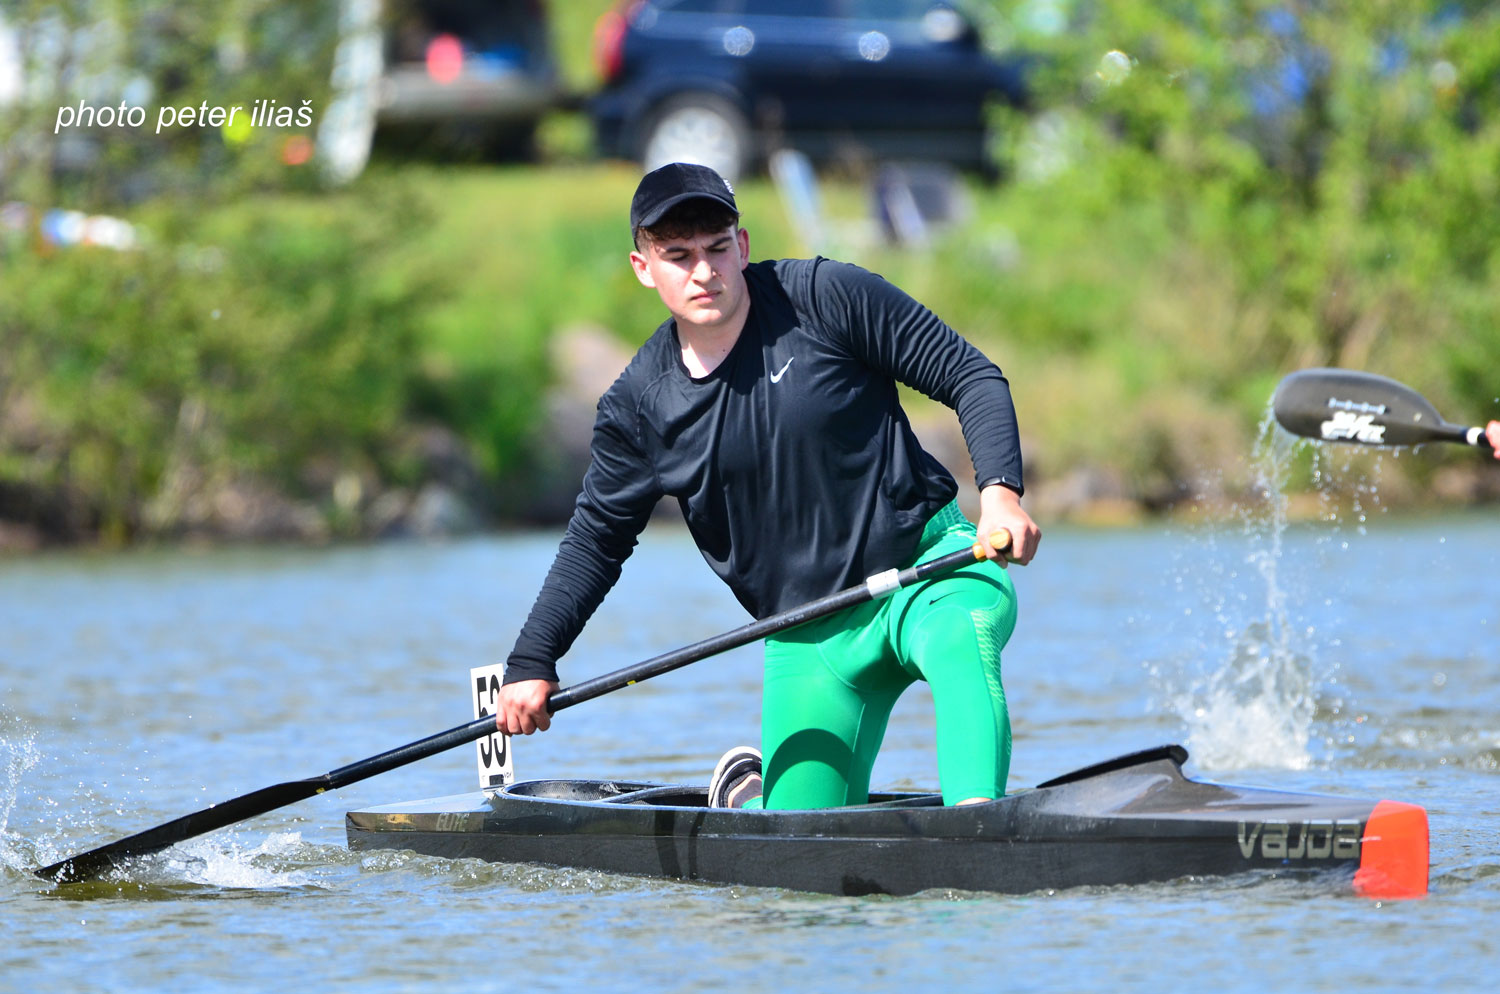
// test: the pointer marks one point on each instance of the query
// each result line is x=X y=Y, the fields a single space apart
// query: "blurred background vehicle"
x=728 y=82
x=482 y=69
x=452 y=75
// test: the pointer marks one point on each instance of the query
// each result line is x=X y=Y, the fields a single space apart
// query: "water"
x=1345 y=656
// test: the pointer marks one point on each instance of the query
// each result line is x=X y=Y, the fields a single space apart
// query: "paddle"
x=1343 y=405
x=90 y=864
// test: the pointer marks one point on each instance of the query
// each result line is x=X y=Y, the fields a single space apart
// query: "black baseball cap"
x=662 y=189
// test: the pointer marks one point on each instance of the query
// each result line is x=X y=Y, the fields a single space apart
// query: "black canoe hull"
x=1133 y=820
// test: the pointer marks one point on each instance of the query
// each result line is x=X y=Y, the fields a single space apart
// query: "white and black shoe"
x=736 y=779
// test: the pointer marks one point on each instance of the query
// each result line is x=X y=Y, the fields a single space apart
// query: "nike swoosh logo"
x=776 y=376
x=941 y=596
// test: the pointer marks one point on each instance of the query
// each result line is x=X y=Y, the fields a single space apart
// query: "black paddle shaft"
x=1344 y=405
x=876 y=586
x=88 y=865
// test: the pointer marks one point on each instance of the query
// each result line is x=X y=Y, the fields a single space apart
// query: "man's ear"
x=744 y=240
x=642 y=273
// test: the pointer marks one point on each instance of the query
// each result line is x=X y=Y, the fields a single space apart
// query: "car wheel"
x=698 y=128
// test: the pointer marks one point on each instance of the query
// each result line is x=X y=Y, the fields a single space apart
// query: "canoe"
x=1131 y=820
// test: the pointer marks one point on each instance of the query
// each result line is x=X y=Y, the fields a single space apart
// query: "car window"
x=890 y=10
x=702 y=6
x=881 y=10
x=755 y=8
x=789 y=8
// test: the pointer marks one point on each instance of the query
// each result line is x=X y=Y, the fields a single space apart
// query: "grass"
x=573 y=39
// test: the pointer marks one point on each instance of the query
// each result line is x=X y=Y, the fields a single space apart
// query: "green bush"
x=162 y=54
x=250 y=342
x=1360 y=200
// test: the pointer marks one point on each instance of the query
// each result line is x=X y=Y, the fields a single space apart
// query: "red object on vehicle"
x=609 y=40
x=445 y=58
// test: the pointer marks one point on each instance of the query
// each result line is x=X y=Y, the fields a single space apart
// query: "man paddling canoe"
x=767 y=405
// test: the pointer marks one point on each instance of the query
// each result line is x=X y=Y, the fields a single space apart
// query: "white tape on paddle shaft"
x=1476 y=435
x=493 y=749
x=883 y=583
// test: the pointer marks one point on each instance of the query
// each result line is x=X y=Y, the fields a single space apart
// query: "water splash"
x=20 y=755
x=220 y=865
x=1256 y=709
x=264 y=866
x=48 y=826
x=1261 y=688
x=219 y=861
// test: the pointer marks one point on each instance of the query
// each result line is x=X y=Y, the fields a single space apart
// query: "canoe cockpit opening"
x=577 y=790
x=612 y=792
x=672 y=795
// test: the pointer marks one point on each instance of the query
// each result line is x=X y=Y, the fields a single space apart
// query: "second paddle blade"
x=1341 y=405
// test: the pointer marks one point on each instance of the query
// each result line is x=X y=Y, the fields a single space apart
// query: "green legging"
x=830 y=685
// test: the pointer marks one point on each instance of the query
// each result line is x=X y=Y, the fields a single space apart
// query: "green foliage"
x=1182 y=222
x=156 y=54
x=1341 y=156
x=1210 y=195
x=254 y=342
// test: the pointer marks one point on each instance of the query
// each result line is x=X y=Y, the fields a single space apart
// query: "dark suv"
x=726 y=82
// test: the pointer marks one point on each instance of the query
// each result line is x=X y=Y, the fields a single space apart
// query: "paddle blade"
x=1342 y=405
x=88 y=865
x=96 y=861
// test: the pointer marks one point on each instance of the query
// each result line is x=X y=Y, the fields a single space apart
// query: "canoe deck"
x=1131 y=820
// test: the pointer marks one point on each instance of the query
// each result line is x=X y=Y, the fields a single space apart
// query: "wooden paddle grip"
x=999 y=538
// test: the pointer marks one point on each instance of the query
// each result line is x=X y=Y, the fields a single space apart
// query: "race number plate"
x=494 y=749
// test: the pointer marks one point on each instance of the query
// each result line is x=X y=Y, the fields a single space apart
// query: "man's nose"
x=703 y=269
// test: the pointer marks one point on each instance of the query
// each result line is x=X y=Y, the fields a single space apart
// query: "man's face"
x=701 y=279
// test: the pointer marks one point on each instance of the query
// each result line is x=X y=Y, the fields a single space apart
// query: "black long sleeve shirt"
x=794 y=464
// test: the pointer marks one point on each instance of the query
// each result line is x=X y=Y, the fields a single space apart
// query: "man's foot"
x=736 y=779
